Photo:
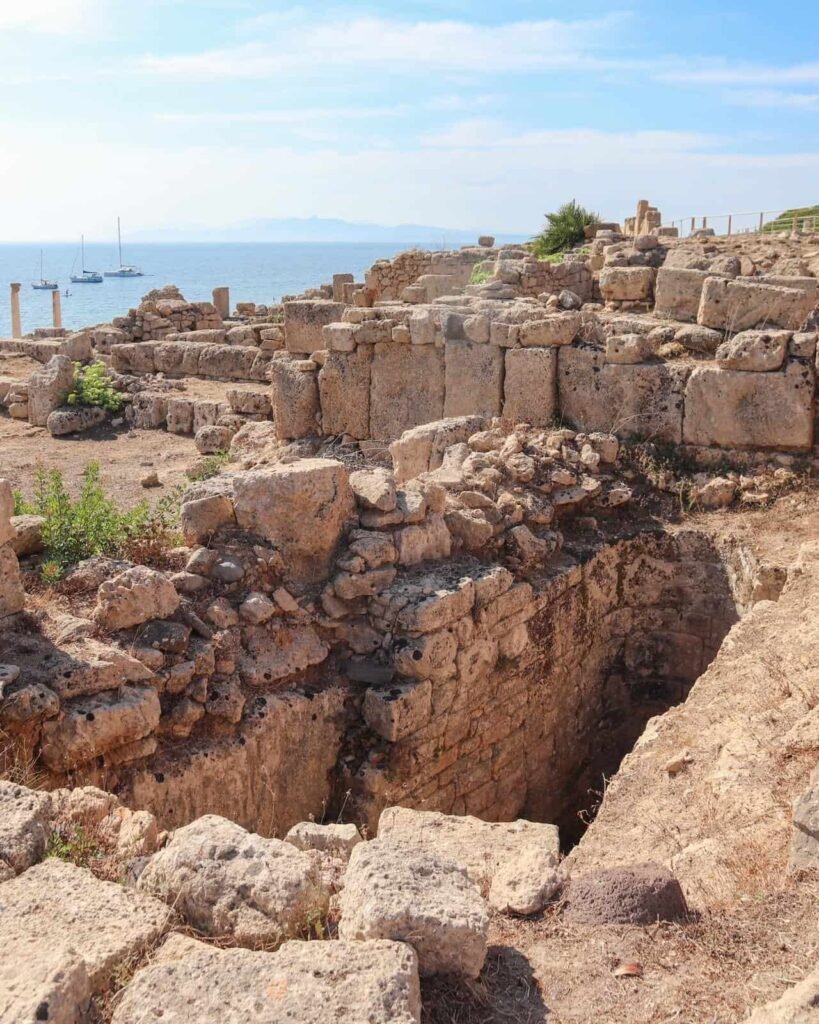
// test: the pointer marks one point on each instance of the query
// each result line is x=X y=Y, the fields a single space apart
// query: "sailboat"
x=125 y=270
x=44 y=285
x=86 y=276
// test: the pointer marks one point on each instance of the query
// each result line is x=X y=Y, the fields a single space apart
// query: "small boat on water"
x=44 y=285
x=125 y=269
x=86 y=276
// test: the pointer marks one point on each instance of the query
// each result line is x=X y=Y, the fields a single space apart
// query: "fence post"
x=693 y=225
x=730 y=222
x=761 y=222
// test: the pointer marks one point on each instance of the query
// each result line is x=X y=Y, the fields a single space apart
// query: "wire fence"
x=764 y=222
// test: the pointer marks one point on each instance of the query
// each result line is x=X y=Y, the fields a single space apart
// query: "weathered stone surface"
x=525 y=882
x=7 y=531
x=398 y=710
x=552 y=330
x=394 y=891
x=300 y=983
x=291 y=649
x=805 y=835
x=337 y=840
x=422 y=448
x=59 y=906
x=24 y=818
x=479 y=847
x=736 y=409
x=530 y=386
x=202 y=517
x=37 y=978
x=699 y=339
x=294 y=399
x=213 y=438
x=638 y=894
x=797 y=1006
x=226 y=881
x=644 y=400
x=394 y=405
x=473 y=379
x=48 y=389
x=740 y=304
x=628 y=349
x=303 y=321
x=758 y=351
x=344 y=391
x=12 y=595
x=627 y=284
x=92 y=725
x=678 y=292
x=133 y=597
x=74 y=419
x=28 y=535
x=374 y=488
x=301 y=508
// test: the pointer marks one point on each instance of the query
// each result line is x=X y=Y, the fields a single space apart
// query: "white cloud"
x=395 y=45
x=49 y=17
x=744 y=74
x=774 y=99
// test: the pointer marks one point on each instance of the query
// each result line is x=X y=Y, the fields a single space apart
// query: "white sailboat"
x=44 y=285
x=85 y=276
x=125 y=269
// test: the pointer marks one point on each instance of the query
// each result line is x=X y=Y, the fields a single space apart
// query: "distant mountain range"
x=317 y=229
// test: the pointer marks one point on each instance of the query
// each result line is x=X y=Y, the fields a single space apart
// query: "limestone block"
x=407 y=389
x=12 y=595
x=38 y=974
x=179 y=416
x=678 y=293
x=644 y=400
x=211 y=439
x=737 y=305
x=226 y=881
x=303 y=321
x=424 y=542
x=374 y=488
x=48 y=389
x=337 y=840
x=740 y=409
x=530 y=386
x=28 y=535
x=627 y=284
x=398 y=710
x=431 y=612
x=289 y=650
x=699 y=339
x=628 y=349
x=24 y=826
x=344 y=392
x=294 y=399
x=758 y=351
x=135 y=357
x=421 y=448
x=395 y=891
x=60 y=906
x=73 y=420
x=148 y=410
x=202 y=517
x=808 y=285
x=89 y=726
x=479 y=847
x=249 y=402
x=7 y=531
x=428 y=656
x=473 y=379
x=301 y=508
x=135 y=596
x=525 y=882
x=552 y=329
x=300 y=983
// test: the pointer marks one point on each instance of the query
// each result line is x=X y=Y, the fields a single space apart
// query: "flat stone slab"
x=392 y=890
x=301 y=983
x=58 y=906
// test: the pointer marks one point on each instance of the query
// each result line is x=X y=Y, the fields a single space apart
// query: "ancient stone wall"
x=389 y=279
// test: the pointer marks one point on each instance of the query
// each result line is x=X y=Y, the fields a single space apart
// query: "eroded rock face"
x=38 y=977
x=49 y=388
x=226 y=881
x=301 y=508
x=375 y=982
x=24 y=817
x=394 y=891
x=134 y=597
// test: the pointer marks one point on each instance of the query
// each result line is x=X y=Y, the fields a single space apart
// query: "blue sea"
x=254 y=272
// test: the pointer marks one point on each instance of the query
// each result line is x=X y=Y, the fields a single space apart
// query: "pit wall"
x=522 y=362
x=554 y=683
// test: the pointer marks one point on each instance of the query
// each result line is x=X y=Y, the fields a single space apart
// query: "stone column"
x=16 y=326
x=56 y=308
x=339 y=280
x=221 y=299
x=642 y=209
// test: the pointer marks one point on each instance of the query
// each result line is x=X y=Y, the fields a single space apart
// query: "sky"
x=473 y=115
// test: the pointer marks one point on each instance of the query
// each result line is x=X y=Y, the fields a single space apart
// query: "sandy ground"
x=124 y=456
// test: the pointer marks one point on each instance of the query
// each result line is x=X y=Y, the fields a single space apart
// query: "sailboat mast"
x=119 y=241
x=41 y=266
x=82 y=249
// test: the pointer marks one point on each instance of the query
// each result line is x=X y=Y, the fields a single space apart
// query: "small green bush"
x=209 y=466
x=94 y=524
x=480 y=276
x=563 y=229
x=92 y=387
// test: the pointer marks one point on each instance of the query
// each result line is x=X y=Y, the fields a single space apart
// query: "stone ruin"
x=431 y=594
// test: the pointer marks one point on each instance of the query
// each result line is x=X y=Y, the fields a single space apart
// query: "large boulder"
x=226 y=881
x=301 y=983
x=392 y=890
x=301 y=508
x=48 y=389
x=133 y=597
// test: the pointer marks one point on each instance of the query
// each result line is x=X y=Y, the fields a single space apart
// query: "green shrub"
x=92 y=387
x=563 y=229
x=785 y=221
x=480 y=276
x=209 y=466
x=94 y=524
